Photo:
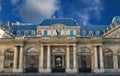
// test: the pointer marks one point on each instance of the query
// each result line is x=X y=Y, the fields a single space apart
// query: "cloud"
x=82 y=10
x=91 y=9
x=0 y=5
x=14 y=2
x=35 y=10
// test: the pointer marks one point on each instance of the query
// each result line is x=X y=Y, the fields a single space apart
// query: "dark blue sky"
x=96 y=12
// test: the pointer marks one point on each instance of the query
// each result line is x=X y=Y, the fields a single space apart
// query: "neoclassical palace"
x=59 y=45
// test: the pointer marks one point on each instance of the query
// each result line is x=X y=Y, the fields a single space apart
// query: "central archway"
x=58 y=60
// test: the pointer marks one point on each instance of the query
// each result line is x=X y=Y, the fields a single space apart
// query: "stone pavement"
x=60 y=74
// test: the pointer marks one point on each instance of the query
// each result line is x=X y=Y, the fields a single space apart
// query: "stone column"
x=68 y=60
x=21 y=59
x=101 y=60
x=15 y=60
x=74 y=59
x=48 y=59
x=96 y=59
x=2 y=61
x=41 y=59
x=115 y=62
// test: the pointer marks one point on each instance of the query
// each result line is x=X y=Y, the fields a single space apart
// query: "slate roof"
x=24 y=27
x=65 y=21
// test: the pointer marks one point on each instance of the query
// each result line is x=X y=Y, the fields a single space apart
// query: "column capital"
x=48 y=45
x=74 y=45
x=98 y=45
x=19 y=44
x=68 y=45
x=42 y=45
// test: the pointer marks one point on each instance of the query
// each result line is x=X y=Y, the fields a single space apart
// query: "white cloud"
x=35 y=10
x=91 y=9
x=14 y=2
x=0 y=5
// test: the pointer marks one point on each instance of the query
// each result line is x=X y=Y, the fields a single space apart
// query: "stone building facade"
x=59 y=45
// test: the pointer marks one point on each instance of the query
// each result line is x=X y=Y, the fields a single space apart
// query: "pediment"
x=60 y=26
x=5 y=34
x=114 y=33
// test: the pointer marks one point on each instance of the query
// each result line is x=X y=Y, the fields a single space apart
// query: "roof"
x=24 y=27
x=65 y=21
x=93 y=28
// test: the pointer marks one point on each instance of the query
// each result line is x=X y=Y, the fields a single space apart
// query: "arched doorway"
x=8 y=62
x=118 y=54
x=84 y=60
x=108 y=59
x=32 y=59
x=58 y=60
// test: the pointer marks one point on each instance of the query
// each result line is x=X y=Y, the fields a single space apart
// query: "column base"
x=99 y=70
x=1 y=70
x=116 y=69
x=48 y=70
x=68 y=70
x=17 y=70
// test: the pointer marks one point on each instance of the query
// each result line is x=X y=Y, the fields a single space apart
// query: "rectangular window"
x=33 y=33
x=18 y=33
x=71 y=33
x=45 y=33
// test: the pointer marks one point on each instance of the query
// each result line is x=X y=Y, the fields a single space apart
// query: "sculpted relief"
x=113 y=34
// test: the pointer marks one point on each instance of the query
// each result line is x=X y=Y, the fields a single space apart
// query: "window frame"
x=71 y=33
x=45 y=33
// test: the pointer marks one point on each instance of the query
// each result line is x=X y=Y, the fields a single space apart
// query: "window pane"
x=33 y=33
x=45 y=33
x=97 y=33
x=8 y=63
x=90 y=33
x=19 y=33
x=71 y=33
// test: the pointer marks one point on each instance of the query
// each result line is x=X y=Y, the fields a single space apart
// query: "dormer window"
x=83 y=33
x=26 y=33
x=19 y=33
x=97 y=33
x=33 y=33
x=90 y=33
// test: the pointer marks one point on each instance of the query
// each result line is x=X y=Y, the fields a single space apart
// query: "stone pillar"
x=96 y=59
x=15 y=60
x=1 y=61
x=21 y=59
x=74 y=59
x=115 y=62
x=48 y=59
x=68 y=60
x=101 y=60
x=41 y=59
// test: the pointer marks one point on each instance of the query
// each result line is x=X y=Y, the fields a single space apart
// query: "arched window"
x=90 y=33
x=97 y=33
x=118 y=58
x=108 y=59
x=32 y=49
x=83 y=33
x=84 y=58
x=33 y=32
x=83 y=50
x=58 y=50
x=9 y=54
